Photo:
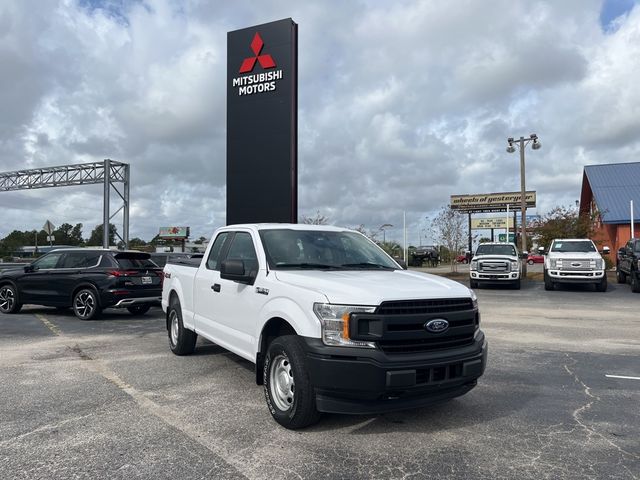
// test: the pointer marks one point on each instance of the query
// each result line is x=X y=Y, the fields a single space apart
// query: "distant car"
x=162 y=258
x=462 y=259
x=87 y=280
x=534 y=258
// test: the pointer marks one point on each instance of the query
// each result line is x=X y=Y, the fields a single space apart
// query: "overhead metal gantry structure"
x=108 y=173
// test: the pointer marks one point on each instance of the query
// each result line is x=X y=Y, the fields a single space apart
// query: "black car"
x=88 y=280
x=424 y=253
x=628 y=264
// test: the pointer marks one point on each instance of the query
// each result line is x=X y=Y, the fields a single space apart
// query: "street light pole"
x=522 y=143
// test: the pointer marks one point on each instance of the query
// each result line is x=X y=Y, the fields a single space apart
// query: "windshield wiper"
x=367 y=265
x=322 y=266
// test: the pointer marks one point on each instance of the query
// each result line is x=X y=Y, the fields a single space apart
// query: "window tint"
x=496 y=250
x=79 y=259
x=584 y=246
x=127 y=263
x=214 y=253
x=48 y=261
x=242 y=248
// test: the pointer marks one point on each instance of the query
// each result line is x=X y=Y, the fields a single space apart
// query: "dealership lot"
x=106 y=399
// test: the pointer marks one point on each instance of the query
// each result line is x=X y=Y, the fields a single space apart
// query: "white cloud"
x=401 y=104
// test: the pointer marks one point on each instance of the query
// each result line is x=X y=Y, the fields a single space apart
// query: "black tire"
x=9 y=301
x=602 y=286
x=287 y=389
x=516 y=284
x=530 y=262
x=548 y=284
x=473 y=284
x=635 y=283
x=621 y=277
x=138 y=309
x=86 y=305
x=182 y=341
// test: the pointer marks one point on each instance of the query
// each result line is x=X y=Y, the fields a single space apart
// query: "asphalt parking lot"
x=107 y=399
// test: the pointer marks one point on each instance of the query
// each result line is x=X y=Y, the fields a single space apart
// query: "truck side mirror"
x=235 y=271
x=605 y=250
x=622 y=251
x=541 y=250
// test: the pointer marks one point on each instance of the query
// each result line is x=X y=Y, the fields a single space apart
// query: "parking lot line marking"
x=623 y=377
x=48 y=324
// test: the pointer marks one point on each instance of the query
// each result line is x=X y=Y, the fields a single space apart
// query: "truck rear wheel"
x=182 y=341
x=287 y=388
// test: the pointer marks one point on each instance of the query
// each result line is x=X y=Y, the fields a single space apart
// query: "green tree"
x=96 y=235
x=563 y=222
x=136 y=242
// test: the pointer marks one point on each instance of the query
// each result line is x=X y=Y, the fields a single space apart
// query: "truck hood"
x=373 y=287
x=576 y=255
x=510 y=258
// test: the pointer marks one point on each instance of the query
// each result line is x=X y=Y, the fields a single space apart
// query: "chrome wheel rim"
x=174 y=330
x=84 y=304
x=282 y=383
x=7 y=299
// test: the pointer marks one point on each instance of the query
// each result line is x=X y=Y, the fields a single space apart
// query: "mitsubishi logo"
x=265 y=60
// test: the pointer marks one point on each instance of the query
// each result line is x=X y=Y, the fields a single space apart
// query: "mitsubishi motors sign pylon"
x=262 y=123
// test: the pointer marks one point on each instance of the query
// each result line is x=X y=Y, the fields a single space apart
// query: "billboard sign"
x=177 y=233
x=491 y=202
x=492 y=222
x=262 y=123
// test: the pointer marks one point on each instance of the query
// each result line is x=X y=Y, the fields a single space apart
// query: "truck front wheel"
x=181 y=340
x=620 y=276
x=287 y=388
x=635 y=283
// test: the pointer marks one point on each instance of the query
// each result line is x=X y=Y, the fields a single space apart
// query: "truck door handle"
x=215 y=287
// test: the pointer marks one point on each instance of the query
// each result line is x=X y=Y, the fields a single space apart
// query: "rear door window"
x=79 y=260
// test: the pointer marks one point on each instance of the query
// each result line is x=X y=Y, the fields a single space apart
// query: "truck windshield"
x=322 y=250
x=581 y=246
x=496 y=250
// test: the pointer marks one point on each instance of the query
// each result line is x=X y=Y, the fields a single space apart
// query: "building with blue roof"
x=607 y=193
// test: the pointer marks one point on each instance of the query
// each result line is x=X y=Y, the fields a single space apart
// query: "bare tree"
x=449 y=229
x=319 y=219
x=370 y=234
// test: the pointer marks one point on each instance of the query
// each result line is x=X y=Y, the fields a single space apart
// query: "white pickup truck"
x=497 y=263
x=332 y=323
x=575 y=260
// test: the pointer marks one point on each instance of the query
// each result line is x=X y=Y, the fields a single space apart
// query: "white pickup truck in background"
x=575 y=260
x=496 y=263
x=332 y=323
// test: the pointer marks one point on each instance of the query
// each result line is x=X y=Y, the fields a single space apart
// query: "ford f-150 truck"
x=331 y=322
x=496 y=263
x=575 y=260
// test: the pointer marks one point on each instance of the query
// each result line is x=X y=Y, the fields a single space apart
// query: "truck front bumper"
x=587 y=276
x=368 y=381
x=494 y=277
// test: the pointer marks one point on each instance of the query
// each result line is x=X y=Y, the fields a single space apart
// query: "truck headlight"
x=514 y=266
x=599 y=264
x=473 y=265
x=474 y=299
x=558 y=264
x=334 y=320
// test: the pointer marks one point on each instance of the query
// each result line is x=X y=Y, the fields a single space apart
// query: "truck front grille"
x=575 y=265
x=493 y=266
x=403 y=325
x=412 y=307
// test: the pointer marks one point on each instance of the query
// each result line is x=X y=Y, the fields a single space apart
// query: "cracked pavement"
x=107 y=399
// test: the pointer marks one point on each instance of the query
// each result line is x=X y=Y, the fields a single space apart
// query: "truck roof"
x=286 y=226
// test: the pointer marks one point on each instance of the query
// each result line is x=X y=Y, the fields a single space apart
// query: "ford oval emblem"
x=437 y=325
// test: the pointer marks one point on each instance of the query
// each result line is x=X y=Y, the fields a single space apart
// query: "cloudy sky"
x=401 y=104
